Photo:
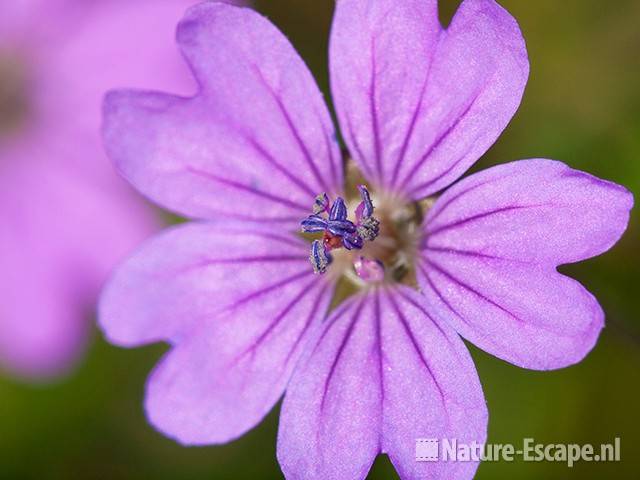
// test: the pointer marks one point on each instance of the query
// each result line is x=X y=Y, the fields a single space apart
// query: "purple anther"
x=341 y=227
x=320 y=258
x=353 y=241
x=338 y=210
x=314 y=224
x=321 y=203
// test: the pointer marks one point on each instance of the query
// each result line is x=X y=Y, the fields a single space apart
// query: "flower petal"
x=431 y=388
x=382 y=375
x=492 y=244
x=144 y=302
x=535 y=210
x=419 y=105
x=114 y=44
x=68 y=217
x=61 y=237
x=42 y=329
x=332 y=412
x=25 y=22
x=256 y=142
x=237 y=303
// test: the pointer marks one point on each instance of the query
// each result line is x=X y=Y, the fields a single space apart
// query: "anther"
x=368 y=226
x=320 y=258
x=321 y=203
x=338 y=210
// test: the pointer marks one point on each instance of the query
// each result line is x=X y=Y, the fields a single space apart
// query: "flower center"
x=376 y=244
x=337 y=230
x=13 y=93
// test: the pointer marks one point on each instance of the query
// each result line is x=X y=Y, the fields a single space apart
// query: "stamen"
x=369 y=228
x=321 y=203
x=338 y=210
x=341 y=227
x=368 y=244
x=314 y=224
x=365 y=209
x=353 y=241
x=320 y=258
x=338 y=231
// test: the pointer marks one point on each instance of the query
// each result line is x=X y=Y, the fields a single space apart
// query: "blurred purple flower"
x=68 y=218
x=253 y=155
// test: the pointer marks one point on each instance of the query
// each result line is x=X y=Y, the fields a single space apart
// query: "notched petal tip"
x=411 y=128
x=276 y=122
x=494 y=241
x=196 y=15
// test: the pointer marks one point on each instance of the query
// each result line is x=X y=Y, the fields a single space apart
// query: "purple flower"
x=68 y=219
x=254 y=153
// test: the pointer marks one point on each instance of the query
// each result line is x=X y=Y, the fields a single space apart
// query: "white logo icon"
x=426 y=450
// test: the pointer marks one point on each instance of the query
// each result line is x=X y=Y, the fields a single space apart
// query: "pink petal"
x=492 y=244
x=237 y=303
x=256 y=142
x=332 y=412
x=114 y=44
x=431 y=388
x=419 y=105
x=383 y=374
x=30 y=21
x=68 y=217
x=61 y=237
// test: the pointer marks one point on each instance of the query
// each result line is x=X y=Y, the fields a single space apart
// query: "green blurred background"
x=582 y=106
